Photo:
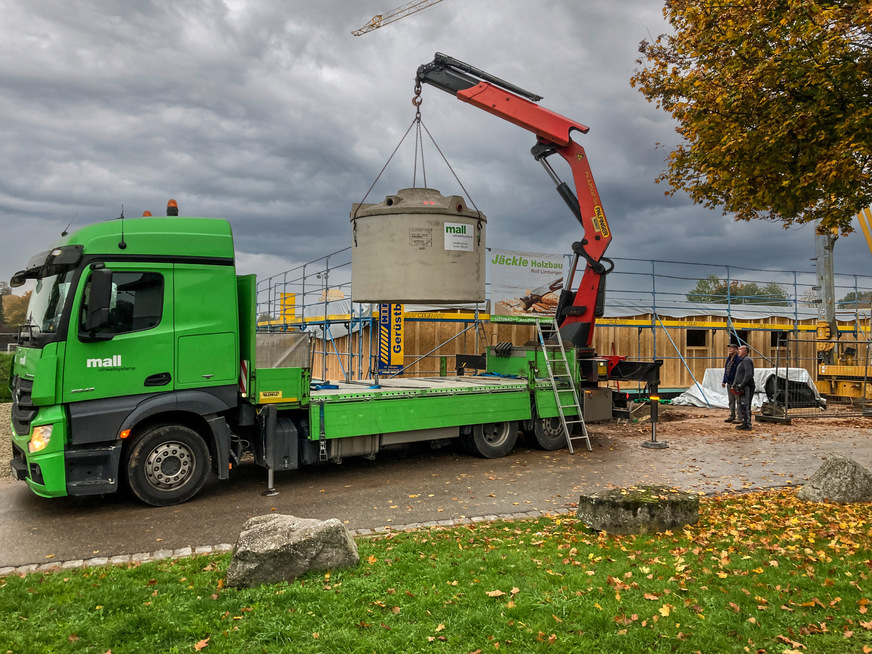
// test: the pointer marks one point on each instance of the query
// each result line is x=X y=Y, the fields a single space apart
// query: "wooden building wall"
x=669 y=343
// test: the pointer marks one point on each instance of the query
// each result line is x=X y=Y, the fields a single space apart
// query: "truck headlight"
x=40 y=438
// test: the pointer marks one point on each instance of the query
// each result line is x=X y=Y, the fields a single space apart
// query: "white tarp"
x=335 y=309
x=710 y=393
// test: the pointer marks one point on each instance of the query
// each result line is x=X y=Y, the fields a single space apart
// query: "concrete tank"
x=418 y=246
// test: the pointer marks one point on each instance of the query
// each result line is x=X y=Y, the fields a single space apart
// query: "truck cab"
x=132 y=324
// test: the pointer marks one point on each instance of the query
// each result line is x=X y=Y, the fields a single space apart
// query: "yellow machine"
x=840 y=373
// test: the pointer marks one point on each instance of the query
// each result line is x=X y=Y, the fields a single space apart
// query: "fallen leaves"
x=794 y=644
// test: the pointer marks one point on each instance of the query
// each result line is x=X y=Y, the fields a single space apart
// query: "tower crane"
x=380 y=20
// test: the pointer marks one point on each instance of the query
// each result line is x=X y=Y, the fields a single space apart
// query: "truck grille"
x=23 y=411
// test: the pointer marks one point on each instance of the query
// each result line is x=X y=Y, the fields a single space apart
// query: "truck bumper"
x=39 y=471
x=42 y=471
x=86 y=471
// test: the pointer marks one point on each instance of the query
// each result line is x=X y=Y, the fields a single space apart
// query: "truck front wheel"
x=491 y=440
x=166 y=465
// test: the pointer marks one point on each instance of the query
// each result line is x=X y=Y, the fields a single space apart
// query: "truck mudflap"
x=93 y=470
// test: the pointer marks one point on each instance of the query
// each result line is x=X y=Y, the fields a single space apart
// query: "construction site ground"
x=414 y=485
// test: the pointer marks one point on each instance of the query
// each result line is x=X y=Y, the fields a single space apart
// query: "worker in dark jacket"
x=744 y=385
x=729 y=377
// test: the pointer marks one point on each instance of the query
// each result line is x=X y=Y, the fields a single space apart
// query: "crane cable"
x=418 y=123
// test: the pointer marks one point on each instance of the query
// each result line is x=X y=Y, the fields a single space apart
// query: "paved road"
x=414 y=484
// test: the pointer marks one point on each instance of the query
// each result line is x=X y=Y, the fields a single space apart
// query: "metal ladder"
x=560 y=374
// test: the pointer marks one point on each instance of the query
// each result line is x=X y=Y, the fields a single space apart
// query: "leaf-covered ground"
x=760 y=572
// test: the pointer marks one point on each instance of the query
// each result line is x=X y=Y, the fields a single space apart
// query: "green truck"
x=141 y=366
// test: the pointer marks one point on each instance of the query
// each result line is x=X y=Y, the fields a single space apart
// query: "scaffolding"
x=654 y=309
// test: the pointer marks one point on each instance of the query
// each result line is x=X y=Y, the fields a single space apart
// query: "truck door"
x=134 y=352
x=207 y=326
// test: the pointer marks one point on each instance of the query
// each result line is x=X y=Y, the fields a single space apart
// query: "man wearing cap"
x=729 y=377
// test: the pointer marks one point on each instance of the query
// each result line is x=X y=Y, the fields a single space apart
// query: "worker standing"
x=729 y=377
x=744 y=385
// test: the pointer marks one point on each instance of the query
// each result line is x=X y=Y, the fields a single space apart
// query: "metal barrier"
x=843 y=387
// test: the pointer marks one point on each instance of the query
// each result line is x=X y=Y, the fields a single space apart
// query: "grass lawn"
x=761 y=572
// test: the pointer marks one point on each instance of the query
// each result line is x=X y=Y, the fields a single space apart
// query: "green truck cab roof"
x=170 y=236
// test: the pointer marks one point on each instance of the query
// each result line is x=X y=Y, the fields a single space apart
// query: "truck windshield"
x=46 y=305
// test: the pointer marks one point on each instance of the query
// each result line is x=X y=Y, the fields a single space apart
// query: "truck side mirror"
x=99 y=299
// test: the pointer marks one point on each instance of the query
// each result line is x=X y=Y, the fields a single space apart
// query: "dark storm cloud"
x=272 y=115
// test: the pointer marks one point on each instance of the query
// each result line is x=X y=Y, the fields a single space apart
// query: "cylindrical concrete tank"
x=418 y=246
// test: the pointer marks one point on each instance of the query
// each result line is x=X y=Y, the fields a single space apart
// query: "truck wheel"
x=167 y=465
x=548 y=433
x=492 y=440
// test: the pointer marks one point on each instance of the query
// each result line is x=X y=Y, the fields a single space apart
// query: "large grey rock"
x=638 y=510
x=840 y=480
x=274 y=548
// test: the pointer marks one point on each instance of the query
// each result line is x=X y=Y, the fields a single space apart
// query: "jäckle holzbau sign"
x=525 y=283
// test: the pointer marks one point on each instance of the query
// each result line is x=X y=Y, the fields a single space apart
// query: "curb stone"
x=203 y=550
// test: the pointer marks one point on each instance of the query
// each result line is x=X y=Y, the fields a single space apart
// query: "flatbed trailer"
x=485 y=411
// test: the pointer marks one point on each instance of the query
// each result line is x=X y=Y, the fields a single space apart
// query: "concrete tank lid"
x=417 y=200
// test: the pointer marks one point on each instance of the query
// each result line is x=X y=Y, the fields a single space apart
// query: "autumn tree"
x=861 y=298
x=15 y=308
x=773 y=104
x=714 y=290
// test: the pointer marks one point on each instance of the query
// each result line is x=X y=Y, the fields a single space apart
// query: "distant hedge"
x=5 y=365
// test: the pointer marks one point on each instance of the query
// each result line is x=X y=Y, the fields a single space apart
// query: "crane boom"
x=576 y=311
x=380 y=20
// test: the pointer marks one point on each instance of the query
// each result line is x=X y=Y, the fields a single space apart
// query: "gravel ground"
x=5 y=441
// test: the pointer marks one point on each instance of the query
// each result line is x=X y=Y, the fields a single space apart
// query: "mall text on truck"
x=140 y=364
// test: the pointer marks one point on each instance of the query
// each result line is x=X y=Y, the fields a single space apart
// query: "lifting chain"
x=419 y=138
x=417 y=100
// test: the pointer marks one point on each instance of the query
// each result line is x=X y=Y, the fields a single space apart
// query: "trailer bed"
x=402 y=405
x=415 y=386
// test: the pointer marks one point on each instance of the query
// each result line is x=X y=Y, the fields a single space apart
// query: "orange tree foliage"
x=772 y=100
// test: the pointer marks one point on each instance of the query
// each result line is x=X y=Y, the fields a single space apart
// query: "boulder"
x=840 y=480
x=638 y=510
x=275 y=548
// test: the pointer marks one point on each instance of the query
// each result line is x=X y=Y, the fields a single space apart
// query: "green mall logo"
x=112 y=362
x=455 y=229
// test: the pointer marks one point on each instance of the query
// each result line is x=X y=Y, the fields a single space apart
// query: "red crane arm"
x=576 y=312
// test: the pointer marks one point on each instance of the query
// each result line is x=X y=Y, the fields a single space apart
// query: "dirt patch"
x=685 y=421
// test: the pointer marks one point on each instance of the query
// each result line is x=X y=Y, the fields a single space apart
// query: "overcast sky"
x=271 y=114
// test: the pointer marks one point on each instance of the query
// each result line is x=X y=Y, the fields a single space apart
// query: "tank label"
x=459 y=237
x=421 y=237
